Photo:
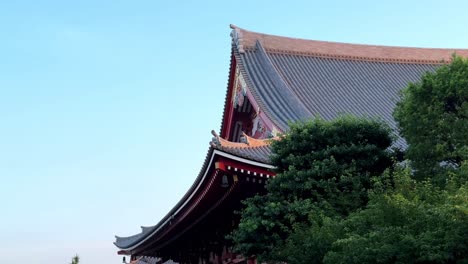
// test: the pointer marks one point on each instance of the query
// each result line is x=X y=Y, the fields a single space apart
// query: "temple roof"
x=295 y=79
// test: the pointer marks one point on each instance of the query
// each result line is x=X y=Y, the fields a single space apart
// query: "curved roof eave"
x=128 y=244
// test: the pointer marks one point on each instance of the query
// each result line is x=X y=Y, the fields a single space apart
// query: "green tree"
x=407 y=222
x=433 y=118
x=323 y=173
x=422 y=217
x=75 y=260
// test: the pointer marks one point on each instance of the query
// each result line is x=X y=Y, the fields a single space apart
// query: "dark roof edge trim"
x=180 y=204
x=187 y=197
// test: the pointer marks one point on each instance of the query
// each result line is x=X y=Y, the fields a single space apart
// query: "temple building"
x=274 y=80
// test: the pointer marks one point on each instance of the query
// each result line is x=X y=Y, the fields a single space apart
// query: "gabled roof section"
x=295 y=79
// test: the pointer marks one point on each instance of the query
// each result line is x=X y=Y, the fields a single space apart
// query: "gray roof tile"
x=295 y=87
x=260 y=153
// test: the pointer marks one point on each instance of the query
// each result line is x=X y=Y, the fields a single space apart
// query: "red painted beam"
x=244 y=166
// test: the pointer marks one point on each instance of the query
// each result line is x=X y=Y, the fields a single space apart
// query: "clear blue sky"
x=106 y=106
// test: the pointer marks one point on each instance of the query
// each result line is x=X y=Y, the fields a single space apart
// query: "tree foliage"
x=330 y=161
x=75 y=260
x=433 y=118
x=323 y=172
x=422 y=217
x=409 y=222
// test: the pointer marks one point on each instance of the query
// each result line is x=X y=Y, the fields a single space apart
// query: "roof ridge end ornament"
x=215 y=142
x=244 y=138
x=236 y=35
x=145 y=229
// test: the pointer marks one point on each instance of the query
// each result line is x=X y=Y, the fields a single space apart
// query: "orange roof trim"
x=246 y=40
x=249 y=142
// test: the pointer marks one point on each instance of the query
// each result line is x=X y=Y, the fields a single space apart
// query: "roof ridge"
x=232 y=26
x=245 y=40
x=355 y=58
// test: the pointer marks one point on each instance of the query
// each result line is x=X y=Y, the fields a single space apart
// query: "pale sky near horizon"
x=106 y=107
